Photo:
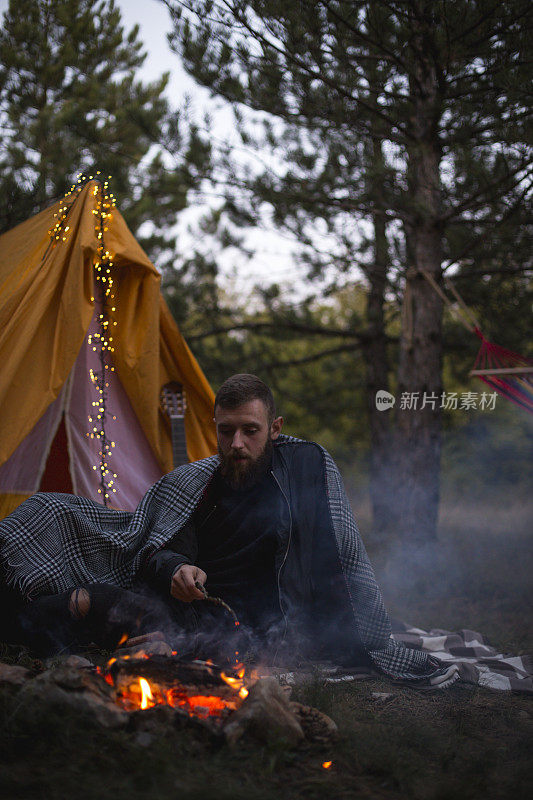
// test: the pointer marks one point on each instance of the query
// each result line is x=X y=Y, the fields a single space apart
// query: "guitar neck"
x=179 y=442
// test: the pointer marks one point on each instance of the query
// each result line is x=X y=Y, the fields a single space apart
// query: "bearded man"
x=265 y=525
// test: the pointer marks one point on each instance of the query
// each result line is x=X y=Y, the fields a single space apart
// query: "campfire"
x=199 y=688
x=150 y=675
x=227 y=702
x=145 y=687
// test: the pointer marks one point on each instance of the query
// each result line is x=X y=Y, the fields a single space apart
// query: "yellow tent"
x=48 y=335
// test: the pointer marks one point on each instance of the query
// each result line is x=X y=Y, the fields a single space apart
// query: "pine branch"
x=483 y=18
x=476 y=239
x=346 y=348
x=483 y=40
x=518 y=271
x=300 y=64
x=280 y=325
x=481 y=194
x=386 y=54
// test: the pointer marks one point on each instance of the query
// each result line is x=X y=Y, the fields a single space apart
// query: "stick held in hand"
x=217 y=601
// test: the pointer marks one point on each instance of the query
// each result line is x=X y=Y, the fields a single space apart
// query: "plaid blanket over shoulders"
x=53 y=542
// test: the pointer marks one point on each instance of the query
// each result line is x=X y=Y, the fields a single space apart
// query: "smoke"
x=478 y=569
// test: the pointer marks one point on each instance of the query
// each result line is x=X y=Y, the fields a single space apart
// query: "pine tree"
x=397 y=124
x=70 y=102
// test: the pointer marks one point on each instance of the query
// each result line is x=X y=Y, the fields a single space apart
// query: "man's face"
x=244 y=439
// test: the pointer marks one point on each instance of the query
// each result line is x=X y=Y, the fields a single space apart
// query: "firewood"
x=147 y=650
x=164 y=670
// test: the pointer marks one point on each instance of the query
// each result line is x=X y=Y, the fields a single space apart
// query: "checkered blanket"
x=468 y=658
x=55 y=542
x=476 y=661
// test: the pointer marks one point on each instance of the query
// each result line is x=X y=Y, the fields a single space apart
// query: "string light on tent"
x=101 y=341
x=59 y=232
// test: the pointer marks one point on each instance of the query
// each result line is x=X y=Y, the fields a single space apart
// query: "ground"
x=458 y=743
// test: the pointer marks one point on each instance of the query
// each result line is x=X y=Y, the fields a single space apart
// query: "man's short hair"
x=242 y=388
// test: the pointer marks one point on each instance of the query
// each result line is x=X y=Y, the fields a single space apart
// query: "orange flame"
x=146 y=693
x=203 y=705
x=327 y=764
x=123 y=638
x=236 y=683
x=105 y=674
x=142 y=695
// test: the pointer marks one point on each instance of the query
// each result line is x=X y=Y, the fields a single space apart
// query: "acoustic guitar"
x=174 y=404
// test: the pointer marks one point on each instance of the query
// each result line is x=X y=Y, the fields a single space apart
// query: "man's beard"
x=244 y=474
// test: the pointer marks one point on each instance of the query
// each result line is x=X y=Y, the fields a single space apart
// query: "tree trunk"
x=418 y=415
x=376 y=362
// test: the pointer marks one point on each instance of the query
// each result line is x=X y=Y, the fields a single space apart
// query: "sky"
x=154 y=22
x=274 y=253
x=273 y=259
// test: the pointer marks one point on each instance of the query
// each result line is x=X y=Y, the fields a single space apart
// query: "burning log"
x=145 y=651
x=170 y=671
x=204 y=692
x=198 y=689
x=144 y=646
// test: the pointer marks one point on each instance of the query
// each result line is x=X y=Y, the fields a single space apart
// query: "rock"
x=81 y=690
x=13 y=675
x=77 y=661
x=67 y=661
x=151 y=720
x=265 y=714
x=75 y=679
x=144 y=739
x=381 y=697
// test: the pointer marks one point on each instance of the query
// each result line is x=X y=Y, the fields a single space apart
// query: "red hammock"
x=508 y=373
x=504 y=371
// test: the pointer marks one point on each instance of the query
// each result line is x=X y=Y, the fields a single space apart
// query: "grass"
x=454 y=744
x=459 y=743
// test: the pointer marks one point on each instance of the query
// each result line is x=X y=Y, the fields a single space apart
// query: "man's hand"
x=182 y=586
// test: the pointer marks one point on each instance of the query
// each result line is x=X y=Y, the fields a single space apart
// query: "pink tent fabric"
x=132 y=458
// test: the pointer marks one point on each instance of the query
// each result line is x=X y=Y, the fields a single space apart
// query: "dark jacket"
x=312 y=591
